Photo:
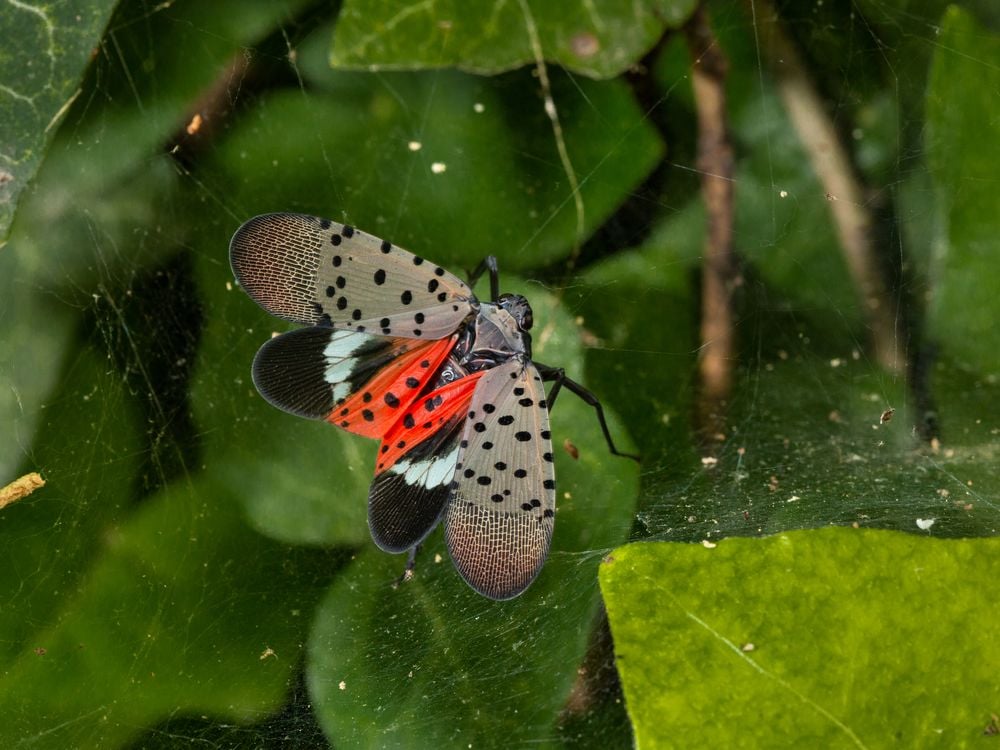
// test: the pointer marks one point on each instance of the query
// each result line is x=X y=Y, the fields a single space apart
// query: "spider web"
x=198 y=568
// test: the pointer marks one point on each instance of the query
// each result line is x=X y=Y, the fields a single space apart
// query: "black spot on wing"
x=499 y=522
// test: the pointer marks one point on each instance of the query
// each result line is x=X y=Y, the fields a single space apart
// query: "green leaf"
x=828 y=638
x=90 y=220
x=453 y=666
x=600 y=38
x=89 y=423
x=418 y=164
x=963 y=143
x=187 y=610
x=45 y=51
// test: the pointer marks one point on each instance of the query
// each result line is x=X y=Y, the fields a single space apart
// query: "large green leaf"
x=826 y=638
x=599 y=38
x=45 y=51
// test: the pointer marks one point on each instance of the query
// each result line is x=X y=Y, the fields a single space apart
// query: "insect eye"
x=527 y=319
x=519 y=309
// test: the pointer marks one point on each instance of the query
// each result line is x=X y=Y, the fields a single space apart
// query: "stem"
x=553 y=114
x=718 y=279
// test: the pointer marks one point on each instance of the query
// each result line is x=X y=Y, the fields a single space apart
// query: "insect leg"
x=557 y=375
x=489 y=263
x=411 y=564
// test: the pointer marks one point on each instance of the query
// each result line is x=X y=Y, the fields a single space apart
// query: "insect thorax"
x=489 y=338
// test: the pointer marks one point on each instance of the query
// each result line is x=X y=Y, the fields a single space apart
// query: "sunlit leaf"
x=832 y=638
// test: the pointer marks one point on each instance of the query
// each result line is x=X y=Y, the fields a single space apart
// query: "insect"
x=399 y=349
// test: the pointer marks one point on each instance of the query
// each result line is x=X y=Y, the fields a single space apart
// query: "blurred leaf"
x=299 y=481
x=638 y=307
x=45 y=51
x=187 y=610
x=783 y=225
x=599 y=38
x=408 y=157
x=30 y=360
x=86 y=452
x=963 y=142
x=96 y=211
x=783 y=231
x=825 y=638
x=451 y=665
x=74 y=240
x=160 y=65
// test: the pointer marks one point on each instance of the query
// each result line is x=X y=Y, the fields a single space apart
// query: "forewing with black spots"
x=501 y=513
x=311 y=270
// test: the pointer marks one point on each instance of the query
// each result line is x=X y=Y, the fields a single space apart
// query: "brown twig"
x=718 y=279
x=831 y=161
x=206 y=116
x=20 y=488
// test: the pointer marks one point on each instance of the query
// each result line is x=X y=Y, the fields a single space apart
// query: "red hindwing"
x=375 y=408
x=424 y=417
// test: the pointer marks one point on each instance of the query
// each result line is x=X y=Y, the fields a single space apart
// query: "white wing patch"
x=501 y=513
x=406 y=500
x=428 y=473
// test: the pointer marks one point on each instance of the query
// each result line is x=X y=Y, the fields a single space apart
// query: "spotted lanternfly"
x=399 y=349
